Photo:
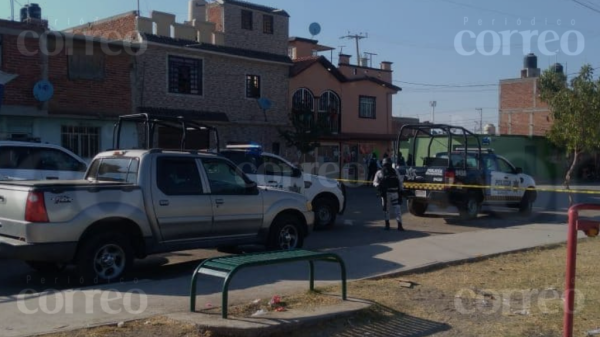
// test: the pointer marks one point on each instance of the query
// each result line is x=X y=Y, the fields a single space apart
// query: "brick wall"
x=215 y=15
x=121 y=27
x=521 y=110
x=255 y=39
x=108 y=97
x=29 y=68
x=224 y=86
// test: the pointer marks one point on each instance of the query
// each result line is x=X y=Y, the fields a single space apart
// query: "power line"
x=449 y=85
x=581 y=3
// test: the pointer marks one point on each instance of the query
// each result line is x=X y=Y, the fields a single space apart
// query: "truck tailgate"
x=12 y=211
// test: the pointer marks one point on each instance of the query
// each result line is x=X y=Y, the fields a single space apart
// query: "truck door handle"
x=2 y=200
x=164 y=202
x=219 y=201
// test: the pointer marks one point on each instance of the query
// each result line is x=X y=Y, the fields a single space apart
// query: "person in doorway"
x=389 y=184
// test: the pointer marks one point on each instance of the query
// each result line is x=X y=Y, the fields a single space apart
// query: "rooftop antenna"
x=12 y=10
x=370 y=56
x=138 y=8
x=341 y=49
x=357 y=38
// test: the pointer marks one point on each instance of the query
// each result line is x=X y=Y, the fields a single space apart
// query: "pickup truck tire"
x=46 y=267
x=286 y=233
x=417 y=208
x=325 y=212
x=104 y=257
x=526 y=205
x=471 y=208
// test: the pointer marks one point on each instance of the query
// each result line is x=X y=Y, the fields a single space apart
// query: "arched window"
x=303 y=100
x=330 y=109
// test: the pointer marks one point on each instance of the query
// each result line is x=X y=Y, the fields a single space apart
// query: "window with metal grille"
x=268 y=24
x=246 y=19
x=185 y=75
x=366 y=106
x=81 y=140
x=303 y=100
x=252 y=86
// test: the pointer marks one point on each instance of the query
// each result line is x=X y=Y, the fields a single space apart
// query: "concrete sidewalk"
x=51 y=311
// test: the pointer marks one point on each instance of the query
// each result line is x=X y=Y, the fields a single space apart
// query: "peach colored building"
x=355 y=100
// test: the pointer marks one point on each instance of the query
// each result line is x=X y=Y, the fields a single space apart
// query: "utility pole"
x=12 y=10
x=480 y=120
x=356 y=37
x=433 y=104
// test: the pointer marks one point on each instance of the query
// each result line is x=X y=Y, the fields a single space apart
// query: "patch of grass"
x=517 y=294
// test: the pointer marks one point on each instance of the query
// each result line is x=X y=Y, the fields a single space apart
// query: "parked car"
x=37 y=161
x=134 y=203
x=327 y=196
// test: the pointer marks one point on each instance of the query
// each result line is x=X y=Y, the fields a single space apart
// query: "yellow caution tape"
x=432 y=186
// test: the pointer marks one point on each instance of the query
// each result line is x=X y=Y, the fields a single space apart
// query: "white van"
x=37 y=161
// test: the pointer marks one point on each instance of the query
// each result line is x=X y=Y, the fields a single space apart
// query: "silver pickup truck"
x=140 y=202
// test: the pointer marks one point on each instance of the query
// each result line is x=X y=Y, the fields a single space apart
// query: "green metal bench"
x=226 y=267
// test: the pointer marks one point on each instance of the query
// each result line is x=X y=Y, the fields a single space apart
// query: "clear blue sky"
x=418 y=36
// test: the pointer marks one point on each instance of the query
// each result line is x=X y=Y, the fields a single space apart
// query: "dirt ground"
x=511 y=295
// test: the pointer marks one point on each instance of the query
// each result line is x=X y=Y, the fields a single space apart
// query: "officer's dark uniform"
x=389 y=183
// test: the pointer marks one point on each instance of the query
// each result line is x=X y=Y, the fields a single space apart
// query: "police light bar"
x=245 y=147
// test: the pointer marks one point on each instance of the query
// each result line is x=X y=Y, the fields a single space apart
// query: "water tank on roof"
x=557 y=68
x=489 y=129
x=31 y=11
x=530 y=61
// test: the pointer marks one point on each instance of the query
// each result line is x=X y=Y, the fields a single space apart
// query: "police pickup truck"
x=465 y=177
x=327 y=196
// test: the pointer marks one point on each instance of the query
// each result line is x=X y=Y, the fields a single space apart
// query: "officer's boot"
x=387 y=225
x=400 y=228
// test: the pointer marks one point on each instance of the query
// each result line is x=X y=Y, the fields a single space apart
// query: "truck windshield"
x=120 y=169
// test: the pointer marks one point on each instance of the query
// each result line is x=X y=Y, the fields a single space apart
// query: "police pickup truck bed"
x=141 y=202
x=466 y=178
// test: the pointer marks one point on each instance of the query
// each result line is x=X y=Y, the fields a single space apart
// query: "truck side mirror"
x=296 y=173
x=519 y=170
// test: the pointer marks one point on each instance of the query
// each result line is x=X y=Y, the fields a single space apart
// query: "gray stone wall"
x=224 y=86
x=255 y=39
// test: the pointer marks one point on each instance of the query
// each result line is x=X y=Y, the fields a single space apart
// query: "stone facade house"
x=215 y=67
x=355 y=100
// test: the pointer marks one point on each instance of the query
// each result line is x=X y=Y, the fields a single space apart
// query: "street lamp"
x=433 y=104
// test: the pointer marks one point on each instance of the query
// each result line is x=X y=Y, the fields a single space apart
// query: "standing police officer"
x=389 y=183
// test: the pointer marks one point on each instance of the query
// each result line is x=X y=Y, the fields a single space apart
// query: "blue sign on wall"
x=43 y=91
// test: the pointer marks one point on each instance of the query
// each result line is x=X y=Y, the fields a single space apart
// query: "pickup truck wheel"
x=324 y=212
x=526 y=205
x=472 y=208
x=417 y=208
x=104 y=258
x=286 y=234
x=46 y=267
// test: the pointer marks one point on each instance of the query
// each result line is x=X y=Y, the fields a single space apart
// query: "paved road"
x=360 y=225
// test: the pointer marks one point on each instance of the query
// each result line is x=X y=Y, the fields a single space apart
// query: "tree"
x=305 y=133
x=575 y=107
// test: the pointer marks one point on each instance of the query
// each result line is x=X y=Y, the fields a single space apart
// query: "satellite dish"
x=314 y=28
x=43 y=91
x=265 y=103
